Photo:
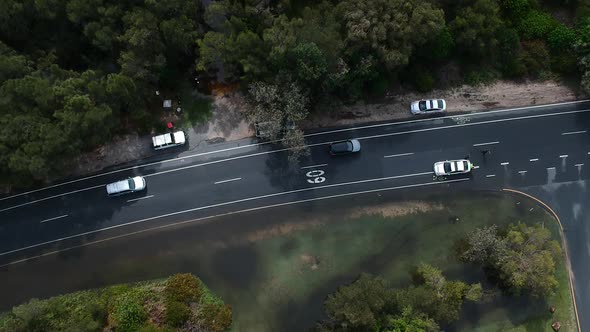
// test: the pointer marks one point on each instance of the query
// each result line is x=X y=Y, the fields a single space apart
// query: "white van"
x=127 y=186
x=169 y=140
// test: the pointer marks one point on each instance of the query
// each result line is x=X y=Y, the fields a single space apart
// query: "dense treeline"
x=73 y=72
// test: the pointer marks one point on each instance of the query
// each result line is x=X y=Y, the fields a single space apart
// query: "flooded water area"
x=275 y=267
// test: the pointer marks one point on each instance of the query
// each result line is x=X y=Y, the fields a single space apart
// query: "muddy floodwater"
x=275 y=267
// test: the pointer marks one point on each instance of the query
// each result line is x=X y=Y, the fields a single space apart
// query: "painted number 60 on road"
x=315 y=176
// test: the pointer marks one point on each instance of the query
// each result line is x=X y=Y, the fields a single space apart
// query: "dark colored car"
x=345 y=147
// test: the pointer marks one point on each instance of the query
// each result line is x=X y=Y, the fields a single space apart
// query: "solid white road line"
x=138 y=199
x=224 y=181
x=579 y=165
x=563 y=156
x=50 y=197
x=534 y=159
x=445 y=117
x=488 y=143
x=522 y=172
x=550 y=168
x=504 y=163
x=203 y=218
x=54 y=218
x=490 y=175
x=322 y=133
x=314 y=166
x=574 y=132
x=469 y=124
x=399 y=155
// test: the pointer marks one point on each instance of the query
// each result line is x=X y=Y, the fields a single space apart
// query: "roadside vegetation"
x=75 y=73
x=518 y=260
x=179 y=303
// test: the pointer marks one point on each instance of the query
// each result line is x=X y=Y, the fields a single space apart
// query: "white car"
x=127 y=186
x=168 y=140
x=450 y=167
x=429 y=106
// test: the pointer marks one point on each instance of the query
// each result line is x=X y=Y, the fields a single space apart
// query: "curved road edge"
x=564 y=245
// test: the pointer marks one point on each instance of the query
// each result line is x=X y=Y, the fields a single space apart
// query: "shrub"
x=423 y=80
x=536 y=25
x=439 y=47
x=515 y=9
x=585 y=83
x=128 y=314
x=535 y=57
x=150 y=328
x=509 y=51
x=564 y=63
x=176 y=313
x=582 y=11
x=561 y=38
x=183 y=288
x=216 y=317
x=481 y=76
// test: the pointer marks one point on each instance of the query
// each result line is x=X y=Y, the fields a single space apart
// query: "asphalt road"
x=530 y=148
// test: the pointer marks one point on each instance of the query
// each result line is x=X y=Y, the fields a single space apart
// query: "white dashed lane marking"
x=54 y=218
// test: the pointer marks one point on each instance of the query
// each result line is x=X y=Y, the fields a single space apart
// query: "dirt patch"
x=281 y=230
x=396 y=209
x=121 y=150
x=228 y=120
x=309 y=261
x=395 y=106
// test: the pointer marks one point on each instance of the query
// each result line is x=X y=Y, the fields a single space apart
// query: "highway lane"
x=529 y=147
x=478 y=128
x=268 y=174
x=243 y=149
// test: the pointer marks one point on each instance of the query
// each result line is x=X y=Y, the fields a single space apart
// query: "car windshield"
x=440 y=103
x=131 y=184
x=465 y=165
x=342 y=147
x=422 y=105
x=447 y=167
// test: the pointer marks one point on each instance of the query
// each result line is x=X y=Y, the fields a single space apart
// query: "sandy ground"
x=462 y=99
x=228 y=123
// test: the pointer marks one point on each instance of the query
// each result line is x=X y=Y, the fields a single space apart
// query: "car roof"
x=343 y=146
x=117 y=187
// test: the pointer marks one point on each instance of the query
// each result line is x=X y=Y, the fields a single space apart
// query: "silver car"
x=429 y=106
x=127 y=186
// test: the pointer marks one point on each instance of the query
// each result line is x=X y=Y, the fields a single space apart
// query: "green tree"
x=434 y=295
x=360 y=304
x=410 y=321
x=484 y=246
x=12 y=65
x=295 y=140
x=475 y=27
x=277 y=104
x=536 y=25
x=561 y=38
x=535 y=57
x=523 y=258
x=391 y=29
x=529 y=263
x=121 y=90
x=311 y=64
